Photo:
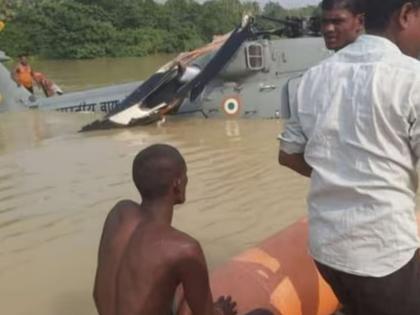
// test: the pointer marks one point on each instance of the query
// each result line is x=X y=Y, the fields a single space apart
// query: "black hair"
x=354 y=6
x=379 y=12
x=155 y=168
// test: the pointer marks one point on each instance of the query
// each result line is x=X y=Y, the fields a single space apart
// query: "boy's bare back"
x=142 y=258
x=152 y=267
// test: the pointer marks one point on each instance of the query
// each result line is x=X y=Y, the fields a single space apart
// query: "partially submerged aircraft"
x=242 y=74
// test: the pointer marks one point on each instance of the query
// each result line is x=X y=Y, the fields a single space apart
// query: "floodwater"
x=57 y=186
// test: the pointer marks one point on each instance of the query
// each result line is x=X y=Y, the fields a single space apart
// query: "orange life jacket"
x=24 y=75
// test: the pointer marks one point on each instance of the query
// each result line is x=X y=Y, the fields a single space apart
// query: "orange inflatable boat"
x=278 y=277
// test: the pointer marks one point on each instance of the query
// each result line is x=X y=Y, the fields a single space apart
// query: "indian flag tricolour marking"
x=231 y=105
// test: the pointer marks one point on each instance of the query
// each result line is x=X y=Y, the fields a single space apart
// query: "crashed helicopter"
x=245 y=73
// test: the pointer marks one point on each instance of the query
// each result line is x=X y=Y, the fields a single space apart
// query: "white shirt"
x=356 y=118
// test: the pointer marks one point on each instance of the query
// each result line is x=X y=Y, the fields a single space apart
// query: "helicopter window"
x=254 y=56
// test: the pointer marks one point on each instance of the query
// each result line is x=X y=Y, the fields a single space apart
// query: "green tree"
x=229 y=15
x=97 y=28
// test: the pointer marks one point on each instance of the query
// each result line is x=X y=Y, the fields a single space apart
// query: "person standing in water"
x=143 y=259
x=23 y=74
x=355 y=131
x=48 y=87
x=342 y=22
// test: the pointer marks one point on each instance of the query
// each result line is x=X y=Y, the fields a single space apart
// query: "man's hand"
x=295 y=162
x=225 y=306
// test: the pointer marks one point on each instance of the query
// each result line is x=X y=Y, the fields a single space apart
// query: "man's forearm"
x=295 y=162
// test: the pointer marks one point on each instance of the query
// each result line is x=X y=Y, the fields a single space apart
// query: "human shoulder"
x=186 y=246
x=315 y=75
x=320 y=68
x=382 y=52
x=119 y=225
x=124 y=210
x=409 y=64
x=125 y=204
x=405 y=71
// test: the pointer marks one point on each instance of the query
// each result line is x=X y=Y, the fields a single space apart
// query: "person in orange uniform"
x=48 y=87
x=23 y=74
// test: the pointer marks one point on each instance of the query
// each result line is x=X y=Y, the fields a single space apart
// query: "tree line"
x=75 y=29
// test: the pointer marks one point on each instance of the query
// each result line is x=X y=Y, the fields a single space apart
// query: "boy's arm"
x=124 y=213
x=98 y=289
x=195 y=281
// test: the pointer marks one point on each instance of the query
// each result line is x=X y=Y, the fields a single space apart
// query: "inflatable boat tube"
x=277 y=277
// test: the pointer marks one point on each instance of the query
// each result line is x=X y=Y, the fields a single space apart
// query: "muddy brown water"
x=57 y=186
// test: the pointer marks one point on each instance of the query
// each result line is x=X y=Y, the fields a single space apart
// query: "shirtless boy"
x=142 y=258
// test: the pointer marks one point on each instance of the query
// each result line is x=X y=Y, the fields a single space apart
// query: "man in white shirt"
x=342 y=21
x=355 y=131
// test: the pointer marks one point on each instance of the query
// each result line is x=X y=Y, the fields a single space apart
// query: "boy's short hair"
x=354 y=6
x=155 y=168
x=379 y=12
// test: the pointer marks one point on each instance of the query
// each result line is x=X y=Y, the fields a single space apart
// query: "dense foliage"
x=97 y=28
